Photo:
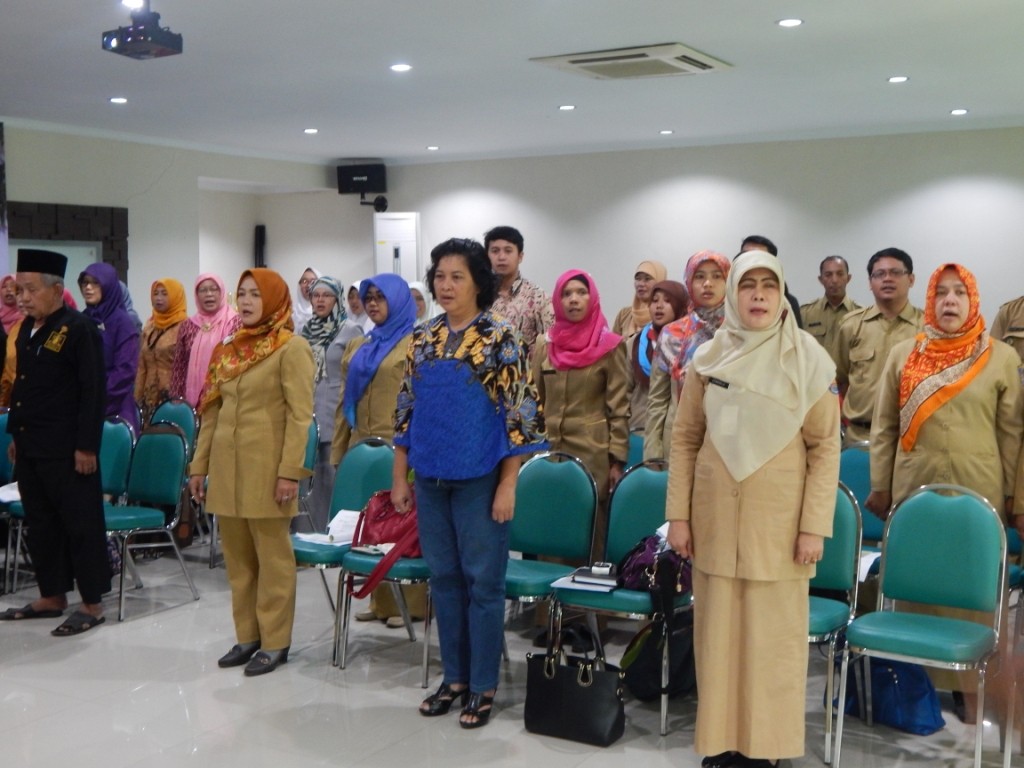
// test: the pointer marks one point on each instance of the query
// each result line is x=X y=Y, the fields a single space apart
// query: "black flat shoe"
x=440 y=701
x=721 y=760
x=238 y=655
x=266 y=661
x=479 y=706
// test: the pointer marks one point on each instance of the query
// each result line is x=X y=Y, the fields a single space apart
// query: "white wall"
x=941 y=196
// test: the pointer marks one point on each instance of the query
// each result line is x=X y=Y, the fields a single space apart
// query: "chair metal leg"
x=125 y=561
x=403 y=608
x=337 y=614
x=346 y=607
x=830 y=684
x=595 y=632
x=181 y=562
x=980 y=716
x=1009 y=728
x=841 y=709
x=327 y=590
x=17 y=553
x=426 y=640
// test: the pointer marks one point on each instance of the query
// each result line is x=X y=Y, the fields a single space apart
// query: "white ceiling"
x=255 y=73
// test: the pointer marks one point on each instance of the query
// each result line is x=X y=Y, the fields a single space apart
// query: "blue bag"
x=902 y=697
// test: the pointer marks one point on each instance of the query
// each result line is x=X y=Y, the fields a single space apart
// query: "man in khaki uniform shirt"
x=1009 y=324
x=867 y=335
x=822 y=317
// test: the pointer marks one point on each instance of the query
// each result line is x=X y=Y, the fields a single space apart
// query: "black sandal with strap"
x=480 y=706
x=440 y=701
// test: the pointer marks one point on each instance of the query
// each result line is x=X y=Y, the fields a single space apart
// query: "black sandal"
x=479 y=706
x=440 y=701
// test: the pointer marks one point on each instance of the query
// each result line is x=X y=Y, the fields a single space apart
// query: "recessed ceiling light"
x=311 y=131
x=118 y=100
x=433 y=148
x=790 y=22
x=666 y=132
x=400 y=67
x=567 y=107
x=132 y=4
x=958 y=112
x=898 y=79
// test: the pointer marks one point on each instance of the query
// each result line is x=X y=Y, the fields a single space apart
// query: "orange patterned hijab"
x=252 y=344
x=941 y=364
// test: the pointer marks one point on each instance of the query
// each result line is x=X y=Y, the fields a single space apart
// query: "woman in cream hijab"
x=752 y=484
x=634 y=317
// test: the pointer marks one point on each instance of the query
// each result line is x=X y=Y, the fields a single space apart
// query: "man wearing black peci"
x=56 y=421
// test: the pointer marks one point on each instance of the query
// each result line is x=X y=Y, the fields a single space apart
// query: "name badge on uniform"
x=718 y=382
x=57 y=338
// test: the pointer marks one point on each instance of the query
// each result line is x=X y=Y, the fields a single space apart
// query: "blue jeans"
x=467 y=553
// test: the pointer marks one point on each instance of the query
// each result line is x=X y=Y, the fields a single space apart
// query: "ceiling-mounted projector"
x=144 y=39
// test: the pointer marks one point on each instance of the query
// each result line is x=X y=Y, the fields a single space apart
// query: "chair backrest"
x=158 y=467
x=945 y=545
x=182 y=413
x=312 y=444
x=556 y=501
x=839 y=565
x=364 y=469
x=5 y=441
x=855 y=473
x=116 y=456
x=636 y=507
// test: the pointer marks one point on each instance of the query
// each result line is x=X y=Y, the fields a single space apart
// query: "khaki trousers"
x=261 y=572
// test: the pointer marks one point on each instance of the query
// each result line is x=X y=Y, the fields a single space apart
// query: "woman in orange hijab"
x=256 y=412
x=949 y=410
x=159 y=341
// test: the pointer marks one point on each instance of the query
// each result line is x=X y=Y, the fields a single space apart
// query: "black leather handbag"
x=573 y=698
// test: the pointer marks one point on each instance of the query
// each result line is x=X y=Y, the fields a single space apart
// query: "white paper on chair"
x=866 y=561
x=343 y=526
x=9 y=493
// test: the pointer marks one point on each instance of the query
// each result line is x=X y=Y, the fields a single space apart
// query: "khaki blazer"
x=661 y=414
x=748 y=529
x=973 y=440
x=375 y=411
x=1009 y=324
x=256 y=433
x=586 y=410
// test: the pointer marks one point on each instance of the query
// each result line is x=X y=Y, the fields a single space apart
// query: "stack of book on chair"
x=590 y=579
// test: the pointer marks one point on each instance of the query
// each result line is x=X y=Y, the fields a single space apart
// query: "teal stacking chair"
x=556 y=501
x=943 y=545
x=180 y=412
x=855 y=474
x=13 y=522
x=636 y=449
x=155 y=480
x=364 y=470
x=636 y=509
x=837 y=571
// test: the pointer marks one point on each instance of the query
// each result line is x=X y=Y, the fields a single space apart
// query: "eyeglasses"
x=374 y=298
x=307 y=280
x=881 y=274
x=208 y=290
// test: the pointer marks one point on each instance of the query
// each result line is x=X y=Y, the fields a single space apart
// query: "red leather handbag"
x=381 y=523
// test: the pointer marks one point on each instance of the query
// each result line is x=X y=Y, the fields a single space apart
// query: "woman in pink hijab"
x=581 y=371
x=214 y=320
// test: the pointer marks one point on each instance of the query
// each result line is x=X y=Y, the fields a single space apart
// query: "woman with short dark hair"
x=467 y=414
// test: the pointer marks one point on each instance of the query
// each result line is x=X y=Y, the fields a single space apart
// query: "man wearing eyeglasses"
x=866 y=335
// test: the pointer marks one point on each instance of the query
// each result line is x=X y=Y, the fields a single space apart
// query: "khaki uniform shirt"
x=862 y=345
x=822 y=320
x=1009 y=324
x=972 y=440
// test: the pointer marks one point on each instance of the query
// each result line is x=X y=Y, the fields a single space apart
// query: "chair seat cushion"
x=927 y=637
x=404 y=569
x=16 y=510
x=532 y=578
x=312 y=553
x=617 y=601
x=826 y=616
x=129 y=517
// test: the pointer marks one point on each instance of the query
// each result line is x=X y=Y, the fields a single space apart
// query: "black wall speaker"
x=260 y=246
x=362 y=179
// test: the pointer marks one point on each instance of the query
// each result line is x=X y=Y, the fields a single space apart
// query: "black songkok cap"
x=46 y=262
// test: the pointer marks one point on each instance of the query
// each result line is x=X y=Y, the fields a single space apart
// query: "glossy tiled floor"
x=148 y=692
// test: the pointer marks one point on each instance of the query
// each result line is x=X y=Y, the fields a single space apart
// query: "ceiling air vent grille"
x=646 y=61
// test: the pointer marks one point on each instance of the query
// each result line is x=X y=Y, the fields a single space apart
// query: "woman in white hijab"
x=302 y=306
x=356 y=311
x=752 y=484
x=424 y=302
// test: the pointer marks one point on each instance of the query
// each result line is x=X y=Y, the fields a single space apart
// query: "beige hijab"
x=641 y=314
x=762 y=383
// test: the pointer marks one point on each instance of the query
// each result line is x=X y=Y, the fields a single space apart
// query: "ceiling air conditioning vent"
x=645 y=61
